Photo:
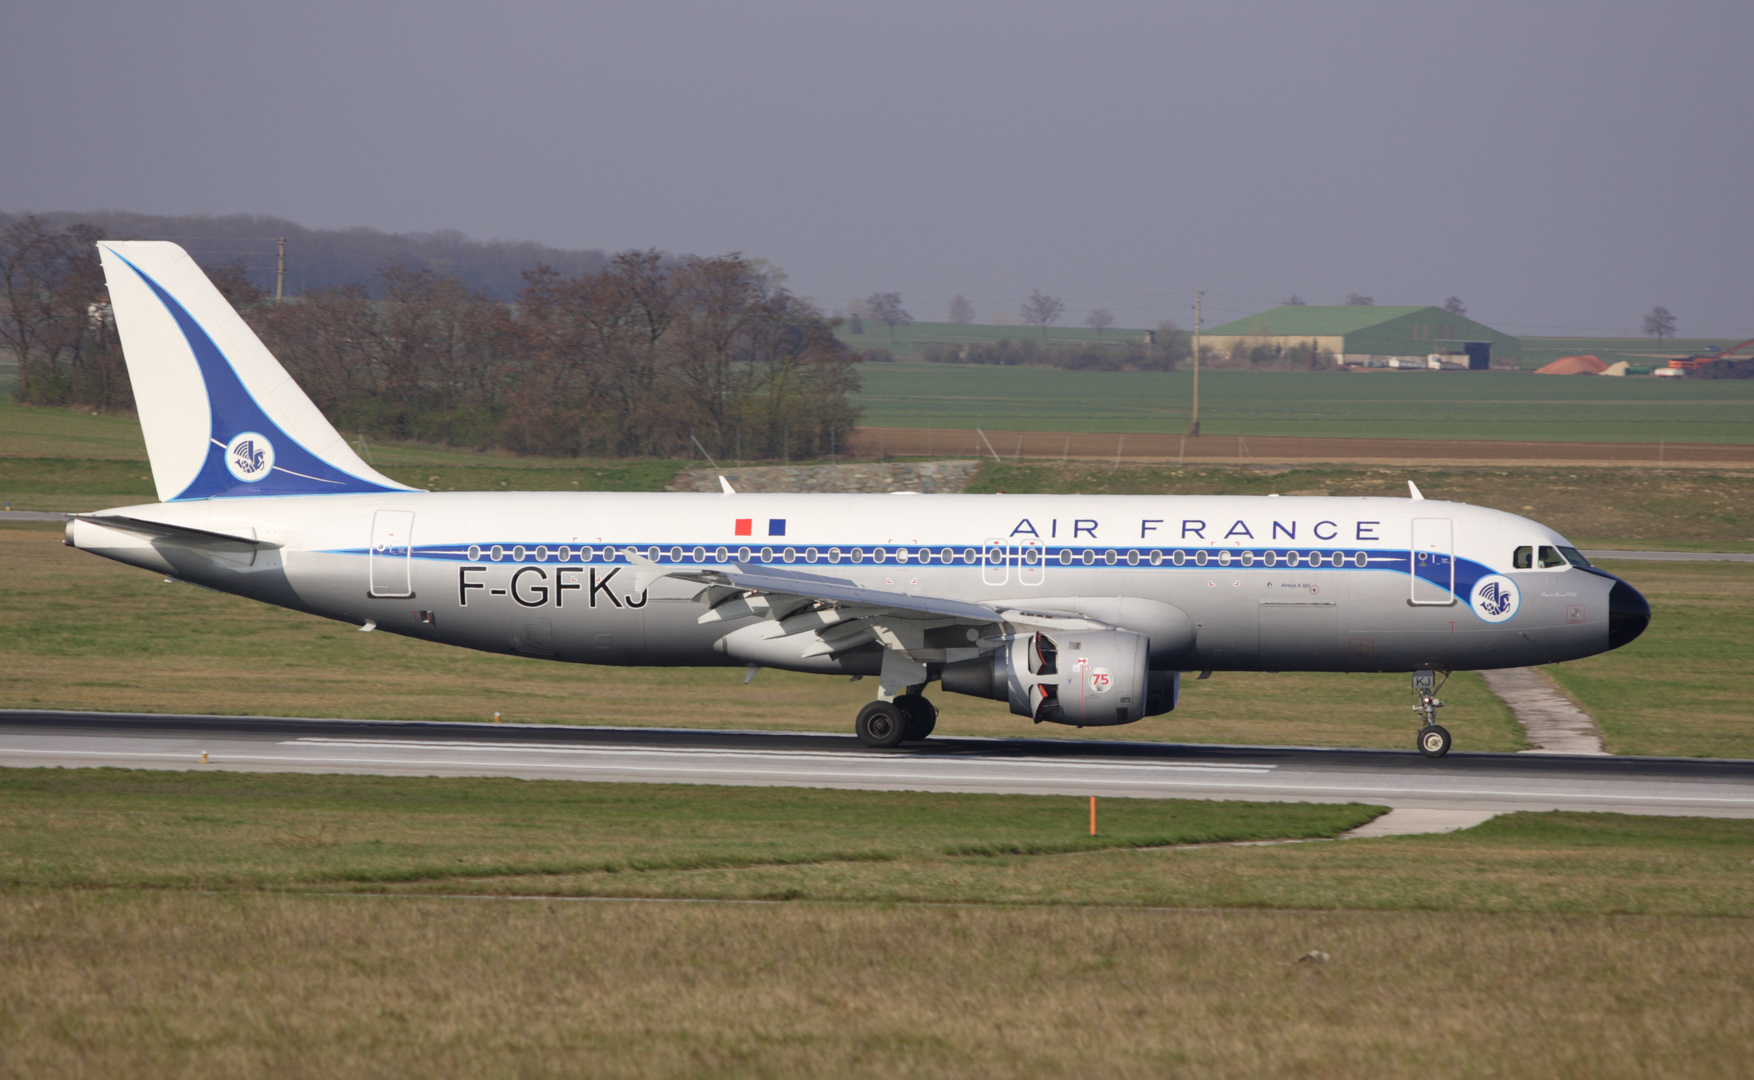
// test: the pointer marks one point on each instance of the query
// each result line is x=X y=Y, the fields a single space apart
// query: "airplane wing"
x=844 y=615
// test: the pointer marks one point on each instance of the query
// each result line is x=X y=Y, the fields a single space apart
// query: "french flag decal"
x=775 y=526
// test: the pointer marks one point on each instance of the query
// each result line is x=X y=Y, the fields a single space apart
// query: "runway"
x=1403 y=780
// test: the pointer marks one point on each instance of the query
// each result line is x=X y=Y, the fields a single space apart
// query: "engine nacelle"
x=1088 y=678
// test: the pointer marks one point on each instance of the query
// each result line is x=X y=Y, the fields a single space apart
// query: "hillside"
x=320 y=258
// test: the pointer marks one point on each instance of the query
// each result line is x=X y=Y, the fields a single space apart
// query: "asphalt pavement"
x=1401 y=779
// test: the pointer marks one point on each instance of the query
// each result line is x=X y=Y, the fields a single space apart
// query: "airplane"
x=1079 y=610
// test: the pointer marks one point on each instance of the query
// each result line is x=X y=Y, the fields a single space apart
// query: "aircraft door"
x=1031 y=563
x=1432 y=562
x=995 y=563
x=391 y=549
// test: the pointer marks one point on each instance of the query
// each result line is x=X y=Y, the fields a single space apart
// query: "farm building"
x=1370 y=336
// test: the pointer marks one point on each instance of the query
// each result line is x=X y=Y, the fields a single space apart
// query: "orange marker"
x=1092 y=815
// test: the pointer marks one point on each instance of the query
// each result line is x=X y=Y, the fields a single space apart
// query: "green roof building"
x=1363 y=334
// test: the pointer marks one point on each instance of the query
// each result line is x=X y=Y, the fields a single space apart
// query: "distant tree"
x=1042 y=310
x=961 y=311
x=55 y=320
x=886 y=308
x=1294 y=301
x=1660 y=323
x=1099 y=320
x=1359 y=300
x=1455 y=306
x=233 y=282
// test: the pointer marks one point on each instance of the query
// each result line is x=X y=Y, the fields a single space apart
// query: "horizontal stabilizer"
x=161 y=530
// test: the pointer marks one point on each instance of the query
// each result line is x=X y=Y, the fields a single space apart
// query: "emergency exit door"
x=391 y=549
x=1433 y=561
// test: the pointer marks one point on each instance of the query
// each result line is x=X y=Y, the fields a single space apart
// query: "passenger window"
x=1550 y=557
x=1524 y=558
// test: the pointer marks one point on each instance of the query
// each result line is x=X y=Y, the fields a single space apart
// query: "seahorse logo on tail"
x=249 y=457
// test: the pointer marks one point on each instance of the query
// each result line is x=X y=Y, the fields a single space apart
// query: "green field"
x=1691 y=510
x=912 y=339
x=86 y=633
x=1401 y=405
x=1637 y=352
x=83 y=632
x=1385 y=404
x=205 y=924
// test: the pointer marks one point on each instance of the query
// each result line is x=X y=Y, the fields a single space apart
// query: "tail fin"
x=222 y=418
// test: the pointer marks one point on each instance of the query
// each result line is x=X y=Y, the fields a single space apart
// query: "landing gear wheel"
x=1433 y=741
x=922 y=715
x=881 y=724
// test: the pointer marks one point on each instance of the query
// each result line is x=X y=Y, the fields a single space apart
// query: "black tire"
x=1433 y=741
x=922 y=715
x=881 y=724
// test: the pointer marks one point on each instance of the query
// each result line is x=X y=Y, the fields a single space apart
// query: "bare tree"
x=1455 y=306
x=1099 y=320
x=1660 y=323
x=54 y=317
x=1293 y=300
x=886 y=308
x=1359 y=300
x=961 y=311
x=1042 y=310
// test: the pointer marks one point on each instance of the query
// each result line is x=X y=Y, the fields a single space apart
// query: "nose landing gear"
x=1433 y=741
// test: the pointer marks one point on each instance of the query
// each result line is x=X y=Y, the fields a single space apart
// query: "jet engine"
x=1088 y=678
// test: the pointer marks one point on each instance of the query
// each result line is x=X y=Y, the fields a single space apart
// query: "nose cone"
x=1628 y=614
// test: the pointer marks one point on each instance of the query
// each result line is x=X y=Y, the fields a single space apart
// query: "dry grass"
x=1710 y=510
x=191 y=985
x=92 y=634
x=1559 y=864
x=1537 y=945
x=1685 y=687
x=117 y=828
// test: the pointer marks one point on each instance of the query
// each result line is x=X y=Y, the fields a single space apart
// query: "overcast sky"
x=1562 y=167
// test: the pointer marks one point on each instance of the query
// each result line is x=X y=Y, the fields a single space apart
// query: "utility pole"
x=1194 y=423
x=280 y=272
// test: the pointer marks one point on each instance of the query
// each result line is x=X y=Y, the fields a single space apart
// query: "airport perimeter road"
x=1461 y=781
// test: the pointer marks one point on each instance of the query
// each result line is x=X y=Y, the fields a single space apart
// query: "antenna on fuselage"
x=1413 y=491
x=724 y=483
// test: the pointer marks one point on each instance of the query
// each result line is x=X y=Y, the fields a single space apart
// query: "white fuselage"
x=1267 y=583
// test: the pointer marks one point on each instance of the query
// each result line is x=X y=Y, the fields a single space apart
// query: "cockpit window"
x=1551 y=558
x=1523 y=558
x=1574 y=557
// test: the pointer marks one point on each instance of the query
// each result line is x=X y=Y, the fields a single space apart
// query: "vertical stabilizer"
x=221 y=417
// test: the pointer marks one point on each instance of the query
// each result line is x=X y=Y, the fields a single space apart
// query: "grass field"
x=1637 y=352
x=1594 y=507
x=85 y=633
x=912 y=339
x=189 y=924
x=1402 y=405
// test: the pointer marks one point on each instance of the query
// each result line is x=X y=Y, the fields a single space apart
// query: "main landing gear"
x=1433 y=740
x=910 y=717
